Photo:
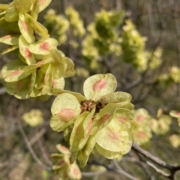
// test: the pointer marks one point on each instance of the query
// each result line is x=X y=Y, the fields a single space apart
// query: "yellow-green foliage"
x=102 y=37
x=133 y=49
x=62 y=166
x=57 y=25
x=33 y=118
x=140 y=129
x=75 y=22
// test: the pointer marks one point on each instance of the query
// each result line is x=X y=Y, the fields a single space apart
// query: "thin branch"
x=119 y=170
x=156 y=160
x=30 y=148
x=116 y=169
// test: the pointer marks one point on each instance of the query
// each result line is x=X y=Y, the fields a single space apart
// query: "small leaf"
x=59 y=66
x=77 y=133
x=62 y=149
x=24 y=50
x=26 y=29
x=43 y=4
x=65 y=109
x=124 y=116
x=99 y=85
x=58 y=84
x=23 y=6
x=43 y=47
x=74 y=172
x=11 y=14
x=16 y=70
x=20 y=89
x=103 y=118
x=33 y=118
x=116 y=97
x=84 y=154
x=11 y=48
x=115 y=137
x=70 y=67
x=38 y=28
x=10 y=39
x=107 y=154
x=3 y=7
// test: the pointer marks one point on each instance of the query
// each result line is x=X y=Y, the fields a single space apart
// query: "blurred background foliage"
x=139 y=42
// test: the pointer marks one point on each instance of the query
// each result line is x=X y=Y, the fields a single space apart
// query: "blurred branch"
x=156 y=160
x=114 y=168
x=91 y=6
x=44 y=153
x=30 y=148
x=2 y=90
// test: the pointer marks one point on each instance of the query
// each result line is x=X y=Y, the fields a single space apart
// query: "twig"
x=156 y=160
x=119 y=170
x=30 y=148
x=116 y=169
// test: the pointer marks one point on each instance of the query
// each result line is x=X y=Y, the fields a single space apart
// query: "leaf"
x=124 y=116
x=26 y=29
x=141 y=134
x=115 y=137
x=11 y=14
x=43 y=47
x=47 y=83
x=9 y=49
x=58 y=65
x=141 y=116
x=70 y=67
x=38 y=28
x=81 y=131
x=3 y=7
x=63 y=149
x=10 y=39
x=32 y=82
x=7 y=27
x=116 y=97
x=99 y=85
x=58 y=84
x=106 y=153
x=125 y=105
x=103 y=118
x=74 y=172
x=42 y=4
x=33 y=118
x=23 y=6
x=77 y=133
x=41 y=73
x=175 y=114
x=79 y=96
x=65 y=109
x=24 y=50
x=84 y=154
x=20 y=89
x=15 y=70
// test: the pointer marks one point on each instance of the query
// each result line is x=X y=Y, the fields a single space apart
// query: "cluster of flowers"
x=98 y=122
x=40 y=66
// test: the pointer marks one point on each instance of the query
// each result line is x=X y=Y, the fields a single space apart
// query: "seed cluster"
x=88 y=105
